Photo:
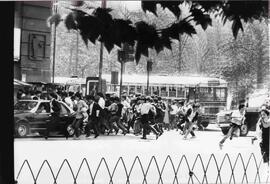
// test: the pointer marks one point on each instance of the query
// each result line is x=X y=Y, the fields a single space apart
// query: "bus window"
x=149 y=90
x=139 y=89
x=124 y=88
x=172 y=91
x=131 y=90
x=206 y=94
x=155 y=90
x=180 y=92
x=163 y=91
x=220 y=94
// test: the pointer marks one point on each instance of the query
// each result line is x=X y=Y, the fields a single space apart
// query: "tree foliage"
x=100 y=25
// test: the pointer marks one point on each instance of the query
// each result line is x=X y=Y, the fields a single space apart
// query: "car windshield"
x=25 y=105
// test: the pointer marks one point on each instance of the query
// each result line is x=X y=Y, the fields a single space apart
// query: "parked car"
x=31 y=116
x=223 y=120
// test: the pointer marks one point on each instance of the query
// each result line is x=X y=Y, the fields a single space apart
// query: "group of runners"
x=140 y=115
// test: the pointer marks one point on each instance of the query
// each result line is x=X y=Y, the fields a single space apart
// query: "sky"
x=130 y=5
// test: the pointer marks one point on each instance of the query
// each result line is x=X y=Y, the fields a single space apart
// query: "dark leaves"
x=147 y=37
x=236 y=26
x=104 y=15
x=236 y=11
x=166 y=41
x=146 y=33
x=200 y=18
x=186 y=27
x=70 y=21
x=54 y=19
x=140 y=49
x=149 y=6
x=90 y=27
x=173 y=6
x=208 y=6
x=122 y=31
x=100 y=25
x=179 y=28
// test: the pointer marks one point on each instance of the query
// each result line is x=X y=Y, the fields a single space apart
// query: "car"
x=223 y=120
x=31 y=116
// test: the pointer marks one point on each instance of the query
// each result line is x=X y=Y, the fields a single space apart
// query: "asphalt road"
x=55 y=150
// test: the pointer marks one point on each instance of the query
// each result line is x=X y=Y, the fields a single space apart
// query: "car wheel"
x=225 y=130
x=205 y=124
x=22 y=129
x=243 y=130
x=70 y=130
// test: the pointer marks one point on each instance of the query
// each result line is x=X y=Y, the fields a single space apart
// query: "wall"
x=34 y=64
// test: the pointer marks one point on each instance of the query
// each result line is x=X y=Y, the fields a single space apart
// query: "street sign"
x=126 y=54
x=129 y=52
x=121 y=56
x=114 y=77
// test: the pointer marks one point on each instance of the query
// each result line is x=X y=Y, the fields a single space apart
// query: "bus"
x=210 y=92
x=73 y=84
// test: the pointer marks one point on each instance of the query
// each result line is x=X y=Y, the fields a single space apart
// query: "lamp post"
x=103 y=5
x=149 y=68
x=54 y=40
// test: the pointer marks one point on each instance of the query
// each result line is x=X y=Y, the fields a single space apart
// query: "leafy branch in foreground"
x=100 y=25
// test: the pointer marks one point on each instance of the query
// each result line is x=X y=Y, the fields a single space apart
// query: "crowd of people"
x=141 y=115
x=137 y=114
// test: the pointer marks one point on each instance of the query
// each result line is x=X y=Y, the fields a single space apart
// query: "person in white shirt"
x=79 y=117
x=173 y=113
x=125 y=109
x=68 y=101
x=238 y=118
x=102 y=122
x=146 y=109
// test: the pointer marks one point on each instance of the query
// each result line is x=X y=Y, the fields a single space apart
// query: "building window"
x=17 y=44
x=37 y=45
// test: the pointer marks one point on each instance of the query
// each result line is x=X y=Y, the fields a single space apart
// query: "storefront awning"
x=20 y=83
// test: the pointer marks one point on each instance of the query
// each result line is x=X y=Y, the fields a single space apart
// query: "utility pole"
x=54 y=40
x=121 y=59
x=149 y=68
x=77 y=53
x=125 y=54
x=103 y=5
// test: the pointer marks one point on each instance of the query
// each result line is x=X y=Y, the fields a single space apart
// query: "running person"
x=238 y=118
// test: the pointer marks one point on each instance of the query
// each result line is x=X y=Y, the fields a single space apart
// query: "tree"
x=243 y=58
x=143 y=36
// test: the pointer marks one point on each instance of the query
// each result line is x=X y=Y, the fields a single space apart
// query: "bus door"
x=91 y=85
x=191 y=95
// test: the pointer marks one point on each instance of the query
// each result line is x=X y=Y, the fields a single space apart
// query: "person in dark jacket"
x=55 y=114
x=264 y=125
x=94 y=112
x=191 y=117
x=119 y=116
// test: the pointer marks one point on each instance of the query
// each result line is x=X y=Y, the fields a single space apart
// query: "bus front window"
x=163 y=91
x=139 y=89
x=180 y=92
x=155 y=90
x=220 y=94
x=131 y=90
x=172 y=91
x=206 y=94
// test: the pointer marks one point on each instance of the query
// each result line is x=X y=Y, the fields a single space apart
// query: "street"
x=112 y=147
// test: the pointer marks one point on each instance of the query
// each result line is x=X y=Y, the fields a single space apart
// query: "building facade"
x=32 y=63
